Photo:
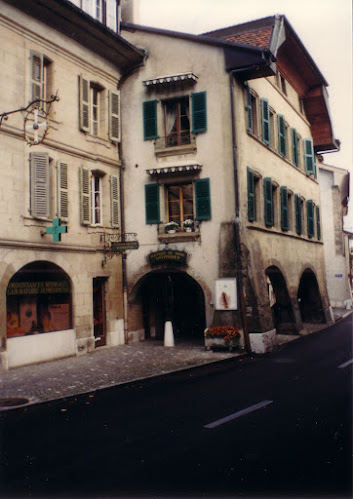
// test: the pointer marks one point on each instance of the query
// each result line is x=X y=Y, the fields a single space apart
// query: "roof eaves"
x=195 y=38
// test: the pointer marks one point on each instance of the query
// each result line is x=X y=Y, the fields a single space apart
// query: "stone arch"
x=280 y=302
x=170 y=294
x=309 y=298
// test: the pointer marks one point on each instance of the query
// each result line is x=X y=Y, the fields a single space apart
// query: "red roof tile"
x=259 y=38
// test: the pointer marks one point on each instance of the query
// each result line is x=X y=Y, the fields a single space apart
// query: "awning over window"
x=168 y=169
x=162 y=80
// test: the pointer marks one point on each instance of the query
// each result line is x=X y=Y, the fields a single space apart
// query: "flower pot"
x=215 y=343
x=171 y=231
x=188 y=229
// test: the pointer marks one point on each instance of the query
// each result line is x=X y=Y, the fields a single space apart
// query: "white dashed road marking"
x=236 y=415
x=346 y=364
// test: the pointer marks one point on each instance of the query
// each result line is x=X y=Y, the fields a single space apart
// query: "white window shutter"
x=36 y=76
x=63 y=193
x=114 y=198
x=114 y=116
x=40 y=194
x=84 y=104
x=85 y=197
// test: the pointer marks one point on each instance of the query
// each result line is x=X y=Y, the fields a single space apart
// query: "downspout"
x=240 y=287
x=122 y=217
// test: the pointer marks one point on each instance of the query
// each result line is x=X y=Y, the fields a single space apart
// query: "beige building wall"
x=80 y=253
x=212 y=255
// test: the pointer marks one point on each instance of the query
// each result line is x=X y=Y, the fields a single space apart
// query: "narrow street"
x=272 y=426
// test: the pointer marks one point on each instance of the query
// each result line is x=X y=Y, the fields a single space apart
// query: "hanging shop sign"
x=167 y=256
x=124 y=246
x=226 y=294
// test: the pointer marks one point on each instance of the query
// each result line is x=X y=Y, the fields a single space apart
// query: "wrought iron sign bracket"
x=115 y=244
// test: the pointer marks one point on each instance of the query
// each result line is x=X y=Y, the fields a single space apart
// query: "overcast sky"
x=324 y=27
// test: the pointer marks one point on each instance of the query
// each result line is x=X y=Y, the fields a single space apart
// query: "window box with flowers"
x=188 y=225
x=171 y=227
x=222 y=337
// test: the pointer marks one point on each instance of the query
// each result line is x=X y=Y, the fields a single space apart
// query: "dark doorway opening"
x=309 y=299
x=99 y=320
x=176 y=297
x=282 y=310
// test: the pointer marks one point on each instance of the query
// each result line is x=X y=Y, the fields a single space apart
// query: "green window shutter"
x=150 y=120
x=309 y=156
x=40 y=185
x=36 y=91
x=63 y=192
x=84 y=104
x=114 y=116
x=251 y=196
x=281 y=135
x=298 y=214
x=318 y=223
x=114 y=201
x=265 y=122
x=250 y=125
x=85 y=196
x=295 y=152
x=310 y=217
x=199 y=112
x=203 y=198
x=284 y=208
x=268 y=202
x=152 y=203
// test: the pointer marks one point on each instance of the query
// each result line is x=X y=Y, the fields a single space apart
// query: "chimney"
x=130 y=11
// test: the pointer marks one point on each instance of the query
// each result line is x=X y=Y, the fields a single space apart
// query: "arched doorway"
x=38 y=300
x=172 y=296
x=309 y=299
x=282 y=310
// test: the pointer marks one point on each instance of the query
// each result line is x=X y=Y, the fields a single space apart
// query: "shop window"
x=38 y=300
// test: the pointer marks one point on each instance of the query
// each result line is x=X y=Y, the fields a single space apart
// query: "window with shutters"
x=265 y=122
x=49 y=193
x=310 y=218
x=295 y=147
x=282 y=135
x=253 y=182
x=185 y=203
x=95 y=190
x=182 y=118
x=309 y=157
x=251 y=111
x=41 y=80
x=298 y=214
x=318 y=223
x=99 y=110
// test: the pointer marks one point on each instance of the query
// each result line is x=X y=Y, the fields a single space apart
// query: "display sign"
x=226 y=294
x=167 y=256
x=124 y=246
x=38 y=288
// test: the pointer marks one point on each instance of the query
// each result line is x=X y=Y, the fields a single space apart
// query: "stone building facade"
x=60 y=196
x=334 y=187
x=220 y=137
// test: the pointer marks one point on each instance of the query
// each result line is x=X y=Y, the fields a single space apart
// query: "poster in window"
x=226 y=294
x=28 y=315
x=59 y=316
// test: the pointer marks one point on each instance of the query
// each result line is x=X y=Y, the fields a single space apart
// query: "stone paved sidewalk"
x=102 y=368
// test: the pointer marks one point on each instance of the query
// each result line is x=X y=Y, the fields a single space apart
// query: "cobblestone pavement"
x=102 y=368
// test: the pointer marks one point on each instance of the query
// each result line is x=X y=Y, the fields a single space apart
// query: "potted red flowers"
x=222 y=337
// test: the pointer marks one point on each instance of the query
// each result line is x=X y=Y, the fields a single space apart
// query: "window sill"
x=278 y=232
x=175 y=150
x=179 y=237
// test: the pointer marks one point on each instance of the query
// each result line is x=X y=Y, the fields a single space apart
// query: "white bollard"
x=168 y=334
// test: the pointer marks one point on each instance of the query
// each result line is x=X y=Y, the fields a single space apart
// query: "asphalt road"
x=278 y=425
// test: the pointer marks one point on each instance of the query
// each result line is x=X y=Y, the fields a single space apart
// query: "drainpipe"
x=124 y=255
x=237 y=218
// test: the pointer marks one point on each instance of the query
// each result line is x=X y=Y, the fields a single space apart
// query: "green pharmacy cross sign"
x=56 y=230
